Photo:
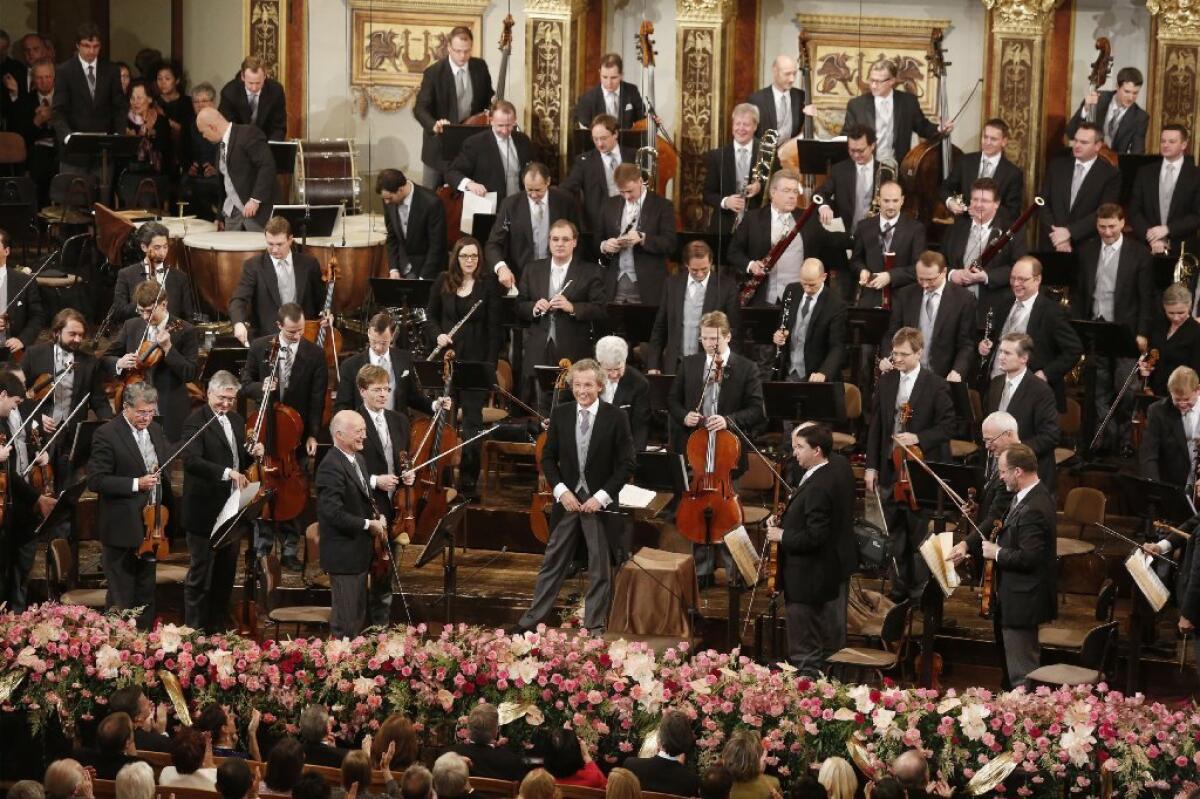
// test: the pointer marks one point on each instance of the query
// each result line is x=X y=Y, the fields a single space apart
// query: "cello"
x=1097 y=78
x=280 y=429
x=436 y=435
x=543 y=498
x=710 y=507
x=327 y=337
x=658 y=159
x=926 y=165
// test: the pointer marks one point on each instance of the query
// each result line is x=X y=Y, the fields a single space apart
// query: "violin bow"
x=63 y=425
x=453 y=449
x=167 y=461
x=33 y=414
x=1130 y=541
x=951 y=494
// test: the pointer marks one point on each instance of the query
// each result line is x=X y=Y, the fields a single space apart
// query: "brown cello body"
x=279 y=470
x=921 y=174
x=710 y=507
x=430 y=437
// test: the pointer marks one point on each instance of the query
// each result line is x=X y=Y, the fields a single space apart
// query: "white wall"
x=135 y=24
x=212 y=41
x=1126 y=23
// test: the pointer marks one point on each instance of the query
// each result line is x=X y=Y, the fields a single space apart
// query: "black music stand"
x=960 y=395
x=65 y=509
x=759 y=322
x=960 y=478
x=1163 y=273
x=223 y=535
x=1158 y=500
x=108 y=146
x=1058 y=268
x=473 y=376
x=867 y=327
x=310 y=220
x=1106 y=339
x=442 y=541
x=284 y=153
x=231 y=359
x=657 y=470
x=481 y=226
x=1129 y=166
x=401 y=292
x=817 y=402
x=631 y=321
x=429 y=374
x=546 y=377
x=817 y=156
x=453 y=137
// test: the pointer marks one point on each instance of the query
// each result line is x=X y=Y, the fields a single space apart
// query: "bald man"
x=811 y=339
x=781 y=107
x=247 y=170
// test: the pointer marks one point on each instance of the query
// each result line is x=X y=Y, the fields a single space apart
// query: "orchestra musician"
x=945 y=315
x=894 y=115
x=1121 y=120
x=302 y=381
x=416 y=226
x=1168 y=451
x=815 y=343
x=1164 y=210
x=727 y=185
x=848 y=193
x=739 y=399
x=1075 y=186
x=1056 y=346
x=521 y=233
x=1026 y=593
x=492 y=160
x=809 y=558
x=387 y=435
x=275 y=278
x=591 y=176
x=637 y=233
x=989 y=163
x=214 y=465
x=1028 y=400
x=452 y=89
x=974 y=232
x=396 y=361
x=126 y=454
x=614 y=96
x=781 y=106
x=628 y=390
x=155 y=240
x=876 y=236
x=347 y=521
x=930 y=428
x=687 y=296
x=247 y=170
x=1175 y=333
x=253 y=98
x=588 y=457
x=763 y=227
x=21 y=313
x=999 y=432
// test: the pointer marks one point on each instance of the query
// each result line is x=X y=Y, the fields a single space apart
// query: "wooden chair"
x=580 y=792
x=300 y=615
x=157 y=760
x=104 y=789
x=1070 y=422
x=314 y=576
x=1083 y=506
x=18 y=211
x=332 y=776
x=12 y=151
x=846 y=441
x=1093 y=656
x=71 y=198
x=492 y=413
x=167 y=791
x=893 y=637
x=758 y=479
x=1062 y=636
x=60 y=585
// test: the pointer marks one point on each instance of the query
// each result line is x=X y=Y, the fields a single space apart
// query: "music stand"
x=231 y=359
x=310 y=220
x=657 y=470
x=473 y=376
x=817 y=157
x=960 y=394
x=401 y=292
x=107 y=146
x=631 y=321
x=959 y=477
x=818 y=402
x=429 y=374
x=1058 y=268
x=546 y=377
x=1159 y=500
x=1099 y=338
x=1129 y=166
x=1163 y=273
x=65 y=509
x=454 y=136
x=284 y=153
x=759 y=322
x=442 y=540
x=222 y=536
x=481 y=226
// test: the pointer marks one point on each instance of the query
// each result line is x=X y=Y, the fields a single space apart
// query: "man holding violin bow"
x=21 y=314
x=155 y=241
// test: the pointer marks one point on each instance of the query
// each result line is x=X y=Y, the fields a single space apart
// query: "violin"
x=1139 y=413
x=543 y=498
x=41 y=476
x=436 y=435
x=710 y=507
x=280 y=429
x=902 y=490
x=987 y=585
x=149 y=355
x=404 y=522
x=40 y=387
x=381 y=557
x=770 y=568
x=155 y=545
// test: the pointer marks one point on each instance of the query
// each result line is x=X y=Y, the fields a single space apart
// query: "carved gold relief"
x=1176 y=17
x=1179 y=85
x=697 y=91
x=703 y=10
x=1025 y=16
x=547 y=76
x=1017 y=81
x=263 y=35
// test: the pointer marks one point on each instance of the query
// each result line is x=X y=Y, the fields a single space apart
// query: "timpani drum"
x=214 y=261
x=180 y=227
x=363 y=223
x=360 y=257
x=326 y=173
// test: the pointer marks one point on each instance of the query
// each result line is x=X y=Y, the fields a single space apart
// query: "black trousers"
x=130 y=582
x=208 y=588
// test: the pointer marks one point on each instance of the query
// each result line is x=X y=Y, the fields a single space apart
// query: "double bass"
x=436 y=435
x=1097 y=78
x=926 y=165
x=280 y=430
x=657 y=158
x=710 y=507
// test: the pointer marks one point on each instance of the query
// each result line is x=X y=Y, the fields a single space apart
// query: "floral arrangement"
x=59 y=664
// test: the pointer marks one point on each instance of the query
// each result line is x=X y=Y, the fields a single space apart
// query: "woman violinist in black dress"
x=1176 y=336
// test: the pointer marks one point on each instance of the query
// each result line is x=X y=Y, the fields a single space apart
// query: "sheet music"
x=835 y=225
x=1138 y=565
x=935 y=550
x=744 y=554
x=632 y=496
x=474 y=204
x=235 y=504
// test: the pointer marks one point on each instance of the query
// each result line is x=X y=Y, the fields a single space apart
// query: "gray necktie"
x=864 y=190
x=285 y=369
x=464 y=94
x=229 y=439
x=974 y=246
x=784 y=114
x=512 y=177
x=800 y=335
x=610 y=166
x=610 y=102
x=91 y=80
x=1076 y=182
x=541 y=248
x=362 y=479
x=785 y=222
x=926 y=326
x=889 y=230
x=385 y=439
x=254 y=107
x=1110 y=130
x=885 y=138
x=743 y=168
x=1166 y=189
x=583 y=439
x=985 y=168
x=1006 y=396
x=287 y=281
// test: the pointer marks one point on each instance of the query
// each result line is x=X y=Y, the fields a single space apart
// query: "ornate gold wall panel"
x=704 y=59
x=1174 y=67
x=554 y=34
x=263 y=35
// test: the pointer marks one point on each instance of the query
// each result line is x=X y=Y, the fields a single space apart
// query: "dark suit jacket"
x=321 y=754
x=343 y=504
x=21 y=120
x=205 y=460
x=89 y=376
x=932 y=421
x=1034 y=408
x=255 y=301
x=952 y=345
x=808 y=559
x=629 y=106
x=272 y=107
x=908 y=242
x=407 y=393
x=1183 y=217
x=1010 y=181
x=1026 y=573
x=610 y=456
x=170 y=376
x=662 y=775
x=764 y=100
x=825 y=342
x=907 y=119
x=573 y=333
x=251 y=169
x=666 y=338
x=438 y=99
x=423 y=244
x=838 y=191
x=114 y=464
x=1133 y=299
x=26 y=317
x=1056 y=346
x=179 y=292
x=376 y=460
x=633 y=397
x=306 y=386
x=720 y=181
x=740 y=400
x=75 y=110
x=511 y=239
x=752 y=242
x=480 y=161
x=1102 y=184
x=998 y=268
x=1131 y=131
x=587 y=180
x=479 y=338
x=1163 y=455
x=1181 y=349
x=492 y=762
x=657 y=221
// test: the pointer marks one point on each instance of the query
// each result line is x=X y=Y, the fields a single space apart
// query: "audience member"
x=539 y=784
x=356 y=770
x=26 y=789
x=399 y=730
x=114 y=745
x=221 y=726
x=192 y=759
x=716 y=782
x=451 y=776
x=149 y=722
x=568 y=760
x=135 y=781
x=417 y=783
x=234 y=780
x=667 y=771
x=168 y=84
x=67 y=779
x=837 y=775
x=488 y=759
x=807 y=787
x=125 y=75
x=152 y=128
x=32 y=114
x=285 y=764
x=311 y=786
x=319 y=747
x=912 y=770
x=745 y=758
x=886 y=788
x=623 y=784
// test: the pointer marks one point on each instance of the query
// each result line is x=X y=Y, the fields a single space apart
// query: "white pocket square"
x=404 y=375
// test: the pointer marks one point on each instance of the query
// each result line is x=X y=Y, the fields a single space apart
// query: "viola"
x=987 y=585
x=155 y=545
x=41 y=476
x=710 y=507
x=404 y=521
x=543 y=498
x=280 y=429
x=149 y=355
x=436 y=435
x=902 y=490
x=1139 y=413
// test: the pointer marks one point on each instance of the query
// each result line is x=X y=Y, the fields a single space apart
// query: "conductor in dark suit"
x=1030 y=401
x=991 y=163
x=87 y=99
x=1074 y=188
x=155 y=240
x=273 y=279
x=214 y=465
x=929 y=428
x=347 y=521
x=637 y=236
x=945 y=315
x=667 y=771
x=1026 y=592
x=1121 y=120
x=415 y=221
x=970 y=236
x=729 y=180
x=687 y=296
x=21 y=301
x=1165 y=207
x=808 y=555
x=452 y=89
x=876 y=236
x=591 y=175
x=246 y=167
x=521 y=234
x=252 y=98
x=588 y=457
x=1172 y=427
x=781 y=106
x=126 y=453
x=493 y=159
x=614 y=96
x=812 y=335
x=894 y=115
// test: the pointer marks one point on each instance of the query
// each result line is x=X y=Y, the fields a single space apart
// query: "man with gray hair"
x=214 y=465
x=487 y=758
x=67 y=779
x=416 y=783
x=124 y=472
x=625 y=387
x=202 y=176
x=729 y=182
x=999 y=431
x=315 y=737
x=451 y=776
x=155 y=241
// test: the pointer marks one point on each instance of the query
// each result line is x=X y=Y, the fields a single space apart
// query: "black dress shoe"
x=517 y=629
